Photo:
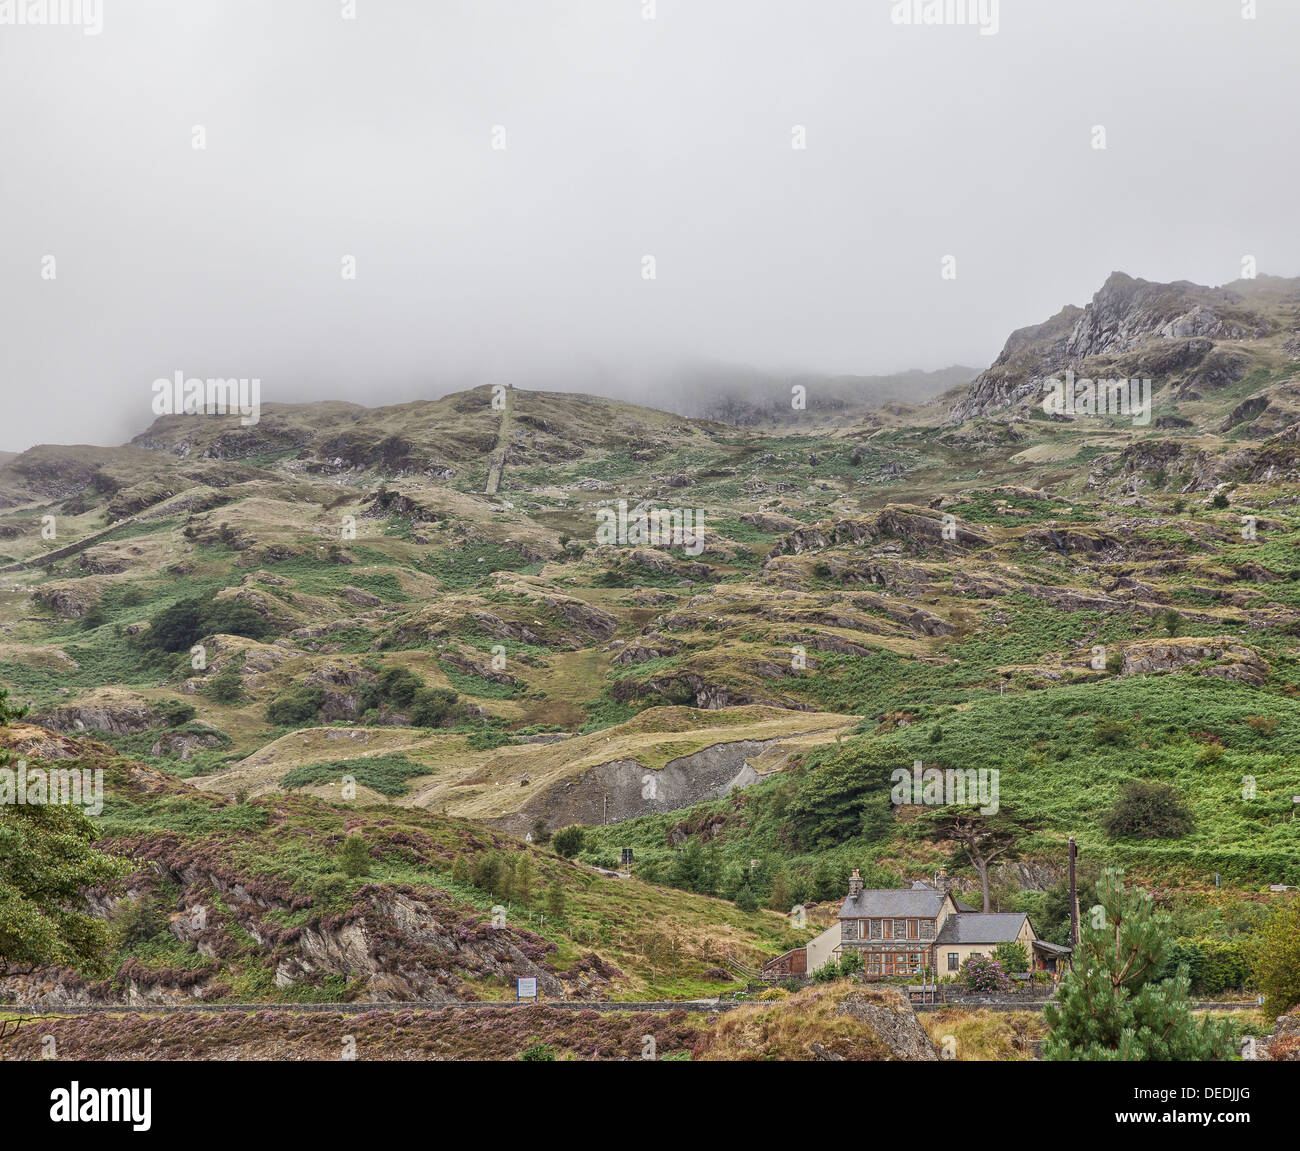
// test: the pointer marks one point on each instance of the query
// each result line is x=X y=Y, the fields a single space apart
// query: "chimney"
x=855 y=884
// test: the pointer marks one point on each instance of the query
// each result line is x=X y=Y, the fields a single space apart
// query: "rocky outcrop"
x=1131 y=329
x=1220 y=656
x=624 y=788
x=888 y=1013
x=120 y=718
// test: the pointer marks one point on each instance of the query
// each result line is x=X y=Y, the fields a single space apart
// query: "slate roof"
x=978 y=927
x=912 y=903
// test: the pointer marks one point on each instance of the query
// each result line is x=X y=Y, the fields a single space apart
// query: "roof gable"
x=909 y=903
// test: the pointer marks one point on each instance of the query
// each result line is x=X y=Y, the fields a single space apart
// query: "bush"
x=746 y=900
x=850 y=962
x=398 y=685
x=1219 y=500
x=329 y=890
x=568 y=841
x=226 y=686
x=984 y=975
x=1014 y=957
x=430 y=706
x=1277 y=960
x=487 y=740
x=179 y=626
x=538 y=1053
x=174 y=712
x=354 y=859
x=297 y=705
x=1147 y=810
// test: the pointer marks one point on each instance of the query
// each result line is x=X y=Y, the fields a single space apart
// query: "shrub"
x=1277 y=960
x=297 y=705
x=1220 y=500
x=95 y=617
x=430 y=706
x=226 y=686
x=174 y=712
x=746 y=900
x=180 y=625
x=983 y=974
x=538 y=1053
x=398 y=685
x=568 y=841
x=329 y=890
x=354 y=859
x=850 y=962
x=1147 y=810
x=1013 y=956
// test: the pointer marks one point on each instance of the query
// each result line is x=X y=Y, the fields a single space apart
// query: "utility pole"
x=1074 y=904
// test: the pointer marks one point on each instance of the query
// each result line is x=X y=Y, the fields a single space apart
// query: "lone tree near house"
x=979 y=839
x=1110 y=1007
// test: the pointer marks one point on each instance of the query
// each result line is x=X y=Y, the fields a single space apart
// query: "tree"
x=1111 y=1006
x=693 y=869
x=1013 y=956
x=1147 y=810
x=1277 y=959
x=46 y=862
x=979 y=839
x=746 y=900
x=430 y=706
x=555 y=900
x=354 y=859
x=523 y=886
x=568 y=840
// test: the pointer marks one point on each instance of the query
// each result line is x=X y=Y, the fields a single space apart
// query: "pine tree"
x=1110 y=1007
x=355 y=856
x=555 y=901
x=524 y=881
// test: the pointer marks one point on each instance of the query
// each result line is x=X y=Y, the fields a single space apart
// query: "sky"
x=499 y=172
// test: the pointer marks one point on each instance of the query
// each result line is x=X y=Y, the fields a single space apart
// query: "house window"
x=912 y=932
x=873 y=963
x=954 y=961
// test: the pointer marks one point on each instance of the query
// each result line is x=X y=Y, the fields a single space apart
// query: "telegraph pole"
x=1074 y=904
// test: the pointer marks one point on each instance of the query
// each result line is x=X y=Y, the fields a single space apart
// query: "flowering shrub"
x=985 y=975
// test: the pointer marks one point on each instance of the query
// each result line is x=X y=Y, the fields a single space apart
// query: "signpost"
x=526 y=989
